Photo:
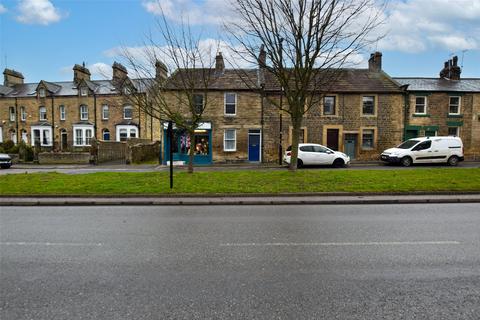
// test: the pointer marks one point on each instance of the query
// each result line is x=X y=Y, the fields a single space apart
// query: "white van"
x=426 y=150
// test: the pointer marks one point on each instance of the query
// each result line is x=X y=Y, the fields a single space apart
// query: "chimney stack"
x=375 y=62
x=161 y=70
x=262 y=57
x=451 y=70
x=12 y=77
x=80 y=73
x=119 y=72
x=219 y=64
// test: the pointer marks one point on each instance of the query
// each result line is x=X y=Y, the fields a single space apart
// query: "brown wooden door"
x=332 y=139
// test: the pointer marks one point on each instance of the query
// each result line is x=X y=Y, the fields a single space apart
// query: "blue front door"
x=254 y=145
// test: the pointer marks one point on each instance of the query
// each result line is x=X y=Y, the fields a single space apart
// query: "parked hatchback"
x=316 y=154
x=426 y=150
x=5 y=161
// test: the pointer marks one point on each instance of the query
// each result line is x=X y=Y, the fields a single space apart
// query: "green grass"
x=252 y=182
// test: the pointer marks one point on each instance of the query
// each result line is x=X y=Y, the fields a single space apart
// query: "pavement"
x=374 y=262
x=244 y=199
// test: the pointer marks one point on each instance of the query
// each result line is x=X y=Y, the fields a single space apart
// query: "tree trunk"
x=191 y=152
x=296 y=130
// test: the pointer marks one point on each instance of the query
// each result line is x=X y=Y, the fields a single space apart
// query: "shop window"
x=62 y=112
x=230 y=104
x=368 y=105
x=230 y=140
x=43 y=113
x=368 y=139
x=329 y=105
x=454 y=106
x=420 y=105
x=105 y=112
x=454 y=131
x=83 y=112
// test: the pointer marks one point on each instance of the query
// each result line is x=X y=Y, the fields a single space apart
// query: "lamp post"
x=170 y=150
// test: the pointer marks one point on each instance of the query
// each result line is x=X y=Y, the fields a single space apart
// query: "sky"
x=43 y=39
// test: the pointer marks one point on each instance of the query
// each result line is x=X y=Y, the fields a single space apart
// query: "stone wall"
x=142 y=152
x=64 y=158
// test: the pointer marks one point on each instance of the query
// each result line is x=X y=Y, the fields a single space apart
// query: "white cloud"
x=38 y=12
x=207 y=12
x=418 y=25
x=97 y=70
x=2 y=9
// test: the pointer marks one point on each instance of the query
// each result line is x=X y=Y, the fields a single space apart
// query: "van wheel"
x=338 y=163
x=452 y=161
x=406 y=161
x=299 y=163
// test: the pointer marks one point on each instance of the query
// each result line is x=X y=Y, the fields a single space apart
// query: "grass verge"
x=251 y=182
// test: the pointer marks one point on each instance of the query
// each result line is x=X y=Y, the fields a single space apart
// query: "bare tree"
x=173 y=70
x=303 y=45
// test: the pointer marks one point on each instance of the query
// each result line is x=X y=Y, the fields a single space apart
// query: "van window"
x=408 y=144
x=423 y=146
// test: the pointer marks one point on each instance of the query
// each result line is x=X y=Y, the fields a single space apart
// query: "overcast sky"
x=43 y=39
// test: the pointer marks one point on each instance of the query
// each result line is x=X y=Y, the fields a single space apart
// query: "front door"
x=332 y=139
x=350 y=145
x=254 y=145
x=64 y=142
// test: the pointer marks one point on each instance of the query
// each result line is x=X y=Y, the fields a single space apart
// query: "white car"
x=426 y=150
x=316 y=154
x=5 y=161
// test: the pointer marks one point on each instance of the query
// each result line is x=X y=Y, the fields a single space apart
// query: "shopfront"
x=202 y=144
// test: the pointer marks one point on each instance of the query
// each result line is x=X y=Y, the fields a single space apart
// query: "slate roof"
x=64 y=88
x=440 y=84
x=228 y=79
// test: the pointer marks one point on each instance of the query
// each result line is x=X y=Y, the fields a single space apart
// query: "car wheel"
x=406 y=161
x=338 y=163
x=452 y=161
x=299 y=163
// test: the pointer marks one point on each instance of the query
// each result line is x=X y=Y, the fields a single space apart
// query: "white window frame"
x=1 y=134
x=25 y=136
x=42 y=129
x=105 y=108
x=83 y=113
x=82 y=129
x=42 y=111
x=13 y=136
x=62 y=112
x=23 y=114
x=83 y=91
x=458 y=131
x=11 y=114
x=125 y=108
x=225 y=104
x=234 y=140
x=425 y=104
x=129 y=128
x=450 y=104
x=42 y=93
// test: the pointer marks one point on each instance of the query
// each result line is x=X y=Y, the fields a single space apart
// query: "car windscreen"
x=408 y=144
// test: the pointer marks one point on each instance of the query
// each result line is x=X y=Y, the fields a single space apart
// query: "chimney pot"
x=219 y=63
x=80 y=73
x=375 y=62
x=119 y=72
x=161 y=70
x=12 y=77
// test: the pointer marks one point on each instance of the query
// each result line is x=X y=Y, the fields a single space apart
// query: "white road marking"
x=59 y=244
x=338 y=244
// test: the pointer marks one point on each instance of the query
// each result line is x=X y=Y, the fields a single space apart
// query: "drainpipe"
x=262 y=120
x=280 y=155
x=53 y=122
x=406 y=111
x=95 y=116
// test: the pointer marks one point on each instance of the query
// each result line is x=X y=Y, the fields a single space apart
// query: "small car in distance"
x=436 y=149
x=316 y=154
x=5 y=161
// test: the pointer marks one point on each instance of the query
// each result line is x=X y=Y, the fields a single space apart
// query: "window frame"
x=82 y=113
x=42 y=130
x=234 y=139
x=425 y=103
x=195 y=103
x=83 y=91
x=42 y=93
x=458 y=105
x=128 y=107
x=12 y=114
x=457 y=133
x=334 y=105
x=106 y=108
x=62 y=112
x=363 y=146
x=374 y=111
x=129 y=129
x=23 y=114
x=85 y=140
x=42 y=110
x=225 y=104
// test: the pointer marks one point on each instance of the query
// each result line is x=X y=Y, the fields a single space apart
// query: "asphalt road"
x=248 y=262
x=82 y=169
